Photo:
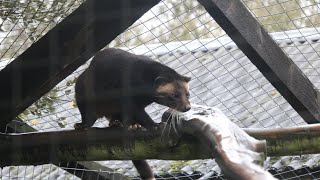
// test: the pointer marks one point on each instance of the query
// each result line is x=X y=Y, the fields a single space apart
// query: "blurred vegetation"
x=283 y=15
x=23 y=22
x=43 y=106
x=180 y=20
x=169 y=21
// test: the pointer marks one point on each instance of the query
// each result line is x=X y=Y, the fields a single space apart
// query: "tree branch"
x=19 y=126
x=289 y=141
x=201 y=133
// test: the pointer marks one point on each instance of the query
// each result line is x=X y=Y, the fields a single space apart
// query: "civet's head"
x=173 y=91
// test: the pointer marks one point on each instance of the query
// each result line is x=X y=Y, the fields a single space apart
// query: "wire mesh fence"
x=182 y=35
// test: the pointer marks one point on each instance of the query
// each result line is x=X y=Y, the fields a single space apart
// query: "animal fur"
x=119 y=85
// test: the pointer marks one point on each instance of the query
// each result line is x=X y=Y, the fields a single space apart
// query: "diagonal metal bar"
x=266 y=55
x=63 y=49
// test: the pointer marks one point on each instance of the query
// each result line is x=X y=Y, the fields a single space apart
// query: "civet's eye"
x=188 y=95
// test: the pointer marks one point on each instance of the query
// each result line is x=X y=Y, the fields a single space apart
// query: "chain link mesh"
x=182 y=35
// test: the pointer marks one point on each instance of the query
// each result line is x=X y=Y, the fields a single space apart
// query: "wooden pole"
x=201 y=133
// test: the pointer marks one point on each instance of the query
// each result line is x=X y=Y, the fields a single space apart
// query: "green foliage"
x=180 y=20
x=42 y=106
x=71 y=82
x=61 y=122
x=32 y=12
x=28 y=20
x=277 y=15
x=174 y=20
x=178 y=165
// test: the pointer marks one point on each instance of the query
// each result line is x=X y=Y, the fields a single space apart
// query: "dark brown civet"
x=119 y=85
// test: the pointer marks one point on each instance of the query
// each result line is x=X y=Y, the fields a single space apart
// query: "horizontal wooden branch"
x=59 y=146
x=289 y=141
x=201 y=133
x=95 y=144
x=106 y=143
x=190 y=139
x=87 y=167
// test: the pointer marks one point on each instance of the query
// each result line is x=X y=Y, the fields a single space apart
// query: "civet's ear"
x=186 y=79
x=160 y=81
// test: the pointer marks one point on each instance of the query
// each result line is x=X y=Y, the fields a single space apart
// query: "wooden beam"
x=266 y=55
x=289 y=141
x=81 y=169
x=62 y=50
x=203 y=132
x=117 y=144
